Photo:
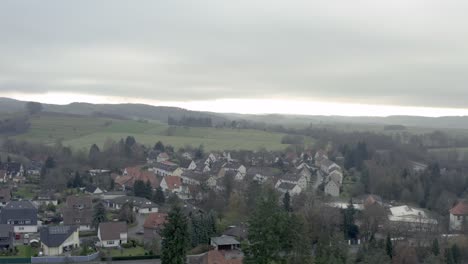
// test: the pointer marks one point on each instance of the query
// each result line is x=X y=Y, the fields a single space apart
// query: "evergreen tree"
x=456 y=254
x=77 y=181
x=94 y=155
x=389 y=246
x=99 y=214
x=199 y=152
x=175 y=238
x=267 y=228
x=126 y=213
x=158 y=196
x=159 y=146
x=287 y=202
x=435 y=247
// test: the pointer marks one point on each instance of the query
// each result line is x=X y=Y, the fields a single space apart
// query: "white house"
x=336 y=176
x=328 y=166
x=459 y=216
x=162 y=157
x=292 y=189
x=411 y=219
x=140 y=205
x=171 y=184
x=112 y=234
x=332 y=188
x=294 y=178
x=55 y=240
x=166 y=169
x=22 y=215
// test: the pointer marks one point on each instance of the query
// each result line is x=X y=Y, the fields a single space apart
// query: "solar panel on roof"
x=55 y=230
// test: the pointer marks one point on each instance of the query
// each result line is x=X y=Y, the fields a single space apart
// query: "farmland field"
x=80 y=132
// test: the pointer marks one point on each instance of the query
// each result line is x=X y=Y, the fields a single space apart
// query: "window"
x=110 y=242
x=458 y=217
x=21 y=228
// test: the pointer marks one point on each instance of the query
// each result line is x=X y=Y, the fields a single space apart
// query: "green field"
x=82 y=132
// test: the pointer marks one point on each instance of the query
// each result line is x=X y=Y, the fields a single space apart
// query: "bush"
x=127 y=245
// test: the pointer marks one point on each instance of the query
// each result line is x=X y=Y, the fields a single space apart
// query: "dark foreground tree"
x=175 y=237
x=99 y=214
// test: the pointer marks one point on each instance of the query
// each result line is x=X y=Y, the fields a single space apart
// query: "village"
x=122 y=213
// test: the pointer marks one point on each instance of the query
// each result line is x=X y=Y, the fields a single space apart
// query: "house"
x=327 y=166
x=187 y=155
x=332 y=188
x=210 y=159
x=78 y=211
x=152 y=156
x=163 y=156
x=238 y=232
x=286 y=187
x=417 y=166
x=5 y=196
x=112 y=195
x=459 y=216
x=187 y=164
x=261 y=174
x=13 y=169
x=235 y=166
x=221 y=257
x=140 y=205
x=112 y=234
x=224 y=243
x=34 y=168
x=91 y=189
x=132 y=174
x=193 y=177
x=166 y=169
x=56 y=240
x=45 y=198
x=294 y=178
x=7 y=236
x=319 y=157
x=336 y=176
x=171 y=184
x=153 y=226
x=407 y=219
x=22 y=215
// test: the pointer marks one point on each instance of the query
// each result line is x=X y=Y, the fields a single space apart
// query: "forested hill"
x=118 y=111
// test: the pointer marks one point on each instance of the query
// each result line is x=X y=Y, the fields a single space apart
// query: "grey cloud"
x=201 y=50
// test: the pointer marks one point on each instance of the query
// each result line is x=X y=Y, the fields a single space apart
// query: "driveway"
x=132 y=231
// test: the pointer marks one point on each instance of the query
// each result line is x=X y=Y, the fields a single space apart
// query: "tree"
x=94 y=155
x=175 y=238
x=435 y=247
x=158 y=196
x=159 y=146
x=287 y=202
x=99 y=214
x=33 y=107
x=199 y=152
x=126 y=213
x=267 y=227
x=389 y=246
x=142 y=189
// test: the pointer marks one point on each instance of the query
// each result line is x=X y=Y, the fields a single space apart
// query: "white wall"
x=25 y=229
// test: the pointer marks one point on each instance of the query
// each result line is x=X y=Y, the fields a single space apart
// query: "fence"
x=71 y=259
x=15 y=260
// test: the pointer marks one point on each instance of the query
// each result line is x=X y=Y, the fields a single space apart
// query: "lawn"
x=24 y=252
x=124 y=252
x=26 y=191
x=81 y=132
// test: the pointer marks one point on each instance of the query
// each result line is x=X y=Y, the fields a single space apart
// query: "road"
x=132 y=232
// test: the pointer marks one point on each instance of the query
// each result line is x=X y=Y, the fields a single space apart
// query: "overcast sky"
x=393 y=53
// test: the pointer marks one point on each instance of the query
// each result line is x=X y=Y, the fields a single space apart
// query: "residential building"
x=22 y=215
x=45 y=198
x=56 y=240
x=78 y=211
x=7 y=236
x=332 y=188
x=140 y=205
x=224 y=243
x=153 y=226
x=163 y=156
x=193 y=177
x=188 y=164
x=164 y=169
x=171 y=184
x=294 y=178
x=459 y=216
x=286 y=187
x=328 y=166
x=407 y=219
x=132 y=174
x=112 y=234
x=92 y=189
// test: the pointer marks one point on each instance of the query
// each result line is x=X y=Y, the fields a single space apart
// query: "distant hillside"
x=133 y=111
x=161 y=113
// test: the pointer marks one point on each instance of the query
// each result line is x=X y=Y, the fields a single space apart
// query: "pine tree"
x=287 y=202
x=389 y=246
x=159 y=146
x=435 y=247
x=175 y=238
x=99 y=214
x=158 y=196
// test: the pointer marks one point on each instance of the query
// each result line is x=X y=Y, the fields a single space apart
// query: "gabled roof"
x=112 y=230
x=165 y=166
x=19 y=210
x=461 y=208
x=287 y=186
x=194 y=175
x=155 y=220
x=224 y=240
x=54 y=236
x=84 y=200
x=292 y=177
x=173 y=182
x=185 y=163
x=139 y=202
x=265 y=171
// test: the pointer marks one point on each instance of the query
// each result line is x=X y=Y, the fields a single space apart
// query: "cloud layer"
x=377 y=52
